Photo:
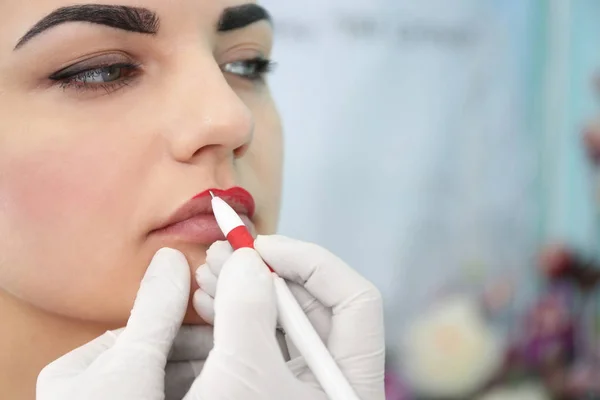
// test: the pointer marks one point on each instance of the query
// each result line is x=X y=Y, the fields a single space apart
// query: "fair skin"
x=91 y=165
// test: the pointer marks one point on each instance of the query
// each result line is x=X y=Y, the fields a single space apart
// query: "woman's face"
x=112 y=118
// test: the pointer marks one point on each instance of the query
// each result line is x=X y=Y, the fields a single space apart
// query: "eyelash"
x=255 y=71
x=260 y=68
x=80 y=80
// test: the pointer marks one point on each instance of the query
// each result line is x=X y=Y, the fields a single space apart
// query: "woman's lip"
x=194 y=221
x=199 y=229
x=238 y=198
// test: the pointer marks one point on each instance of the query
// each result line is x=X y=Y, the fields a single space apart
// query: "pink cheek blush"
x=52 y=185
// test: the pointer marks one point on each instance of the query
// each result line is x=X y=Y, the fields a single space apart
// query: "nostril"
x=241 y=151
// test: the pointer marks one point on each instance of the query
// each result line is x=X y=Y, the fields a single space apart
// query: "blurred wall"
x=412 y=139
x=572 y=57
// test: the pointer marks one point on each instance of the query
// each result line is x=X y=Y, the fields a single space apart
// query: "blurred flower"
x=450 y=351
x=560 y=263
x=520 y=392
x=591 y=141
x=582 y=381
x=549 y=336
x=556 y=261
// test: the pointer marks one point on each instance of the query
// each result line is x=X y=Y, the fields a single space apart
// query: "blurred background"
x=436 y=146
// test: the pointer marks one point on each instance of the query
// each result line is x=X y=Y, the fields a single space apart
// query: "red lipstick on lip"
x=194 y=222
x=233 y=196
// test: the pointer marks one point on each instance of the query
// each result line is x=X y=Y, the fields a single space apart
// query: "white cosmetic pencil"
x=291 y=317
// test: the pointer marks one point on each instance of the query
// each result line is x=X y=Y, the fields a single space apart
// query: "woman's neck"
x=30 y=339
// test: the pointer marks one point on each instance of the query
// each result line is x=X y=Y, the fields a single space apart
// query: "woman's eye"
x=107 y=77
x=253 y=70
x=102 y=75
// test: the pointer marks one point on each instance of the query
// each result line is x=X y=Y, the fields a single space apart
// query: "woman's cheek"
x=58 y=187
x=55 y=220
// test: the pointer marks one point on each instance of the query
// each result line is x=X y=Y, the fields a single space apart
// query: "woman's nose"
x=205 y=112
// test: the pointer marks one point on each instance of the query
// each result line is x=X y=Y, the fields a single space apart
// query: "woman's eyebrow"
x=239 y=17
x=137 y=19
x=131 y=19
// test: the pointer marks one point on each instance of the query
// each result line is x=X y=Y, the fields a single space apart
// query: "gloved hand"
x=345 y=309
x=246 y=361
x=129 y=363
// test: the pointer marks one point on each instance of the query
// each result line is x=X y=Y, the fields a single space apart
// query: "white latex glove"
x=345 y=309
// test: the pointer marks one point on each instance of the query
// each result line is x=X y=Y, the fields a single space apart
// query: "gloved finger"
x=207 y=280
x=204 y=306
x=74 y=362
x=246 y=361
x=159 y=308
x=245 y=305
x=318 y=315
x=299 y=368
x=316 y=269
x=216 y=256
x=356 y=340
x=219 y=253
x=206 y=275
